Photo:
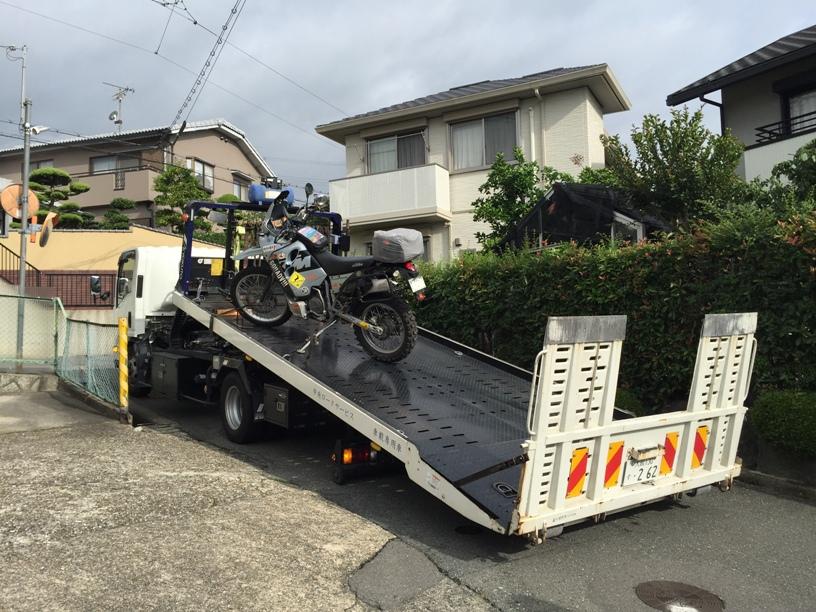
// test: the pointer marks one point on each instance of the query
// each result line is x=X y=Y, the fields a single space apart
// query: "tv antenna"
x=119 y=96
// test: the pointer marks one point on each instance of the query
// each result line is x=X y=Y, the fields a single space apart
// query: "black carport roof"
x=787 y=49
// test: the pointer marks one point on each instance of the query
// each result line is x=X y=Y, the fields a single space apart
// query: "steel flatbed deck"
x=518 y=452
x=461 y=411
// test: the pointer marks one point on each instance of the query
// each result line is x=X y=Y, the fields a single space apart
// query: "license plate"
x=640 y=471
x=416 y=284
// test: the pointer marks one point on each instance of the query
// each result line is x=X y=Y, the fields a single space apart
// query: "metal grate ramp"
x=464 y=411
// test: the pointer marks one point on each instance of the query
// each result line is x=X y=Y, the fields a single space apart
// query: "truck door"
x=125 y=288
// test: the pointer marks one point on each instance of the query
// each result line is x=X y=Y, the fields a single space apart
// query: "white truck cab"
x=146 y=276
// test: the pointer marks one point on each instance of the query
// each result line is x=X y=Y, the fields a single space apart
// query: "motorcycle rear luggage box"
x=397 y=245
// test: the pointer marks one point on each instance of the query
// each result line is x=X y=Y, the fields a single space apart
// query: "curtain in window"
x=103 y=164
x=800 y=105
x=500 y=136
x=468 y=145
x=410 y=151
x=382 y=155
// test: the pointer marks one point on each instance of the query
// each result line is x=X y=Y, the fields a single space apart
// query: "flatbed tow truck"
x=518 y=452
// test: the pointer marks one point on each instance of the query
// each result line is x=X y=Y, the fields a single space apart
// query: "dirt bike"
x=290 y=272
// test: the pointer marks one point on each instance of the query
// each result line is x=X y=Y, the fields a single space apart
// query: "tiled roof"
x=786 y=49
x=463 y=91
x=154 y=131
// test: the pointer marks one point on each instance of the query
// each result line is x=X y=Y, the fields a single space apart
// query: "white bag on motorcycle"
x=397 y=245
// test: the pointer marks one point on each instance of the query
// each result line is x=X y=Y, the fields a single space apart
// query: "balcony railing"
x=421 y=193
x=786 y=128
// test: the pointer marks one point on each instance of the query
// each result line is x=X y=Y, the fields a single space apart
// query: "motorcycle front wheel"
x=397 y=324
x=259 y=297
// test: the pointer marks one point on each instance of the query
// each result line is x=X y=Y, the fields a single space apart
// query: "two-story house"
x=124 y=164
x=768 y=100
x=420 y=163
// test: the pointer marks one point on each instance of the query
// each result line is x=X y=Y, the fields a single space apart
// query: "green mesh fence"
x=89 y=359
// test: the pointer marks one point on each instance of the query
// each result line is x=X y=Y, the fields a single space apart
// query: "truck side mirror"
x=122 y=287
x=96 y=285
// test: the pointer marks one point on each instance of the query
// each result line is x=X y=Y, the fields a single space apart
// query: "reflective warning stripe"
x=669 y=452
x=577 y=473
x=613 y=464
x=700 y=442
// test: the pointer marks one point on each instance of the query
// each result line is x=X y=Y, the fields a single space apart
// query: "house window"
x=114 y=163
x=43 y=163
x=475 y=144
x=240 y=190
x=394 y=152
x=802 y=111
x=204 y=173
x=626 y=229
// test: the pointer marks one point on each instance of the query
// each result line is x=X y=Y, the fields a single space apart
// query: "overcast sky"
x=357 y=56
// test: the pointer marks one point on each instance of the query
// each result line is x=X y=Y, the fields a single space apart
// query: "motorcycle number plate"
x=297 y=280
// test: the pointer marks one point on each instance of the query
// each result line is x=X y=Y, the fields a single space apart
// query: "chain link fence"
x=80 y=352
x=89 y=358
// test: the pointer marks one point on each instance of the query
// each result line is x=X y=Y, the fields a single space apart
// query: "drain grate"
x=671 y=596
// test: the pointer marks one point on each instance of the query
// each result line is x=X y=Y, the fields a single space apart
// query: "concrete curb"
x=784 y=486
x=94 y=403
x=20 y=382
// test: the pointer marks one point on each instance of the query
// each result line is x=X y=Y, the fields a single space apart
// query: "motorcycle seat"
x=334 y=264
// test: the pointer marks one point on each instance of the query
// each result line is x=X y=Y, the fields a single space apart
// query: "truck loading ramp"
x=463 y=410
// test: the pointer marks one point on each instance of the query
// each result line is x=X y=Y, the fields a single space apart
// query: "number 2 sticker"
x=297 y=280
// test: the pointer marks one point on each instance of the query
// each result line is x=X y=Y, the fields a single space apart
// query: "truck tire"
x=237 y=415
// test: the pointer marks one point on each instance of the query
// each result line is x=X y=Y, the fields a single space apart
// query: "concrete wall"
x=89 y=249
x=752 y=103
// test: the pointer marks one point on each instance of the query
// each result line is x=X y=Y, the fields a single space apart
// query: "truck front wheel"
x=236 y=409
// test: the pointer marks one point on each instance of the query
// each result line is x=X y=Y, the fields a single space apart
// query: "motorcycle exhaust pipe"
x=361 y=324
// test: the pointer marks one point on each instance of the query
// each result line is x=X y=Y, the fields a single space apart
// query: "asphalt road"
x=754 y=550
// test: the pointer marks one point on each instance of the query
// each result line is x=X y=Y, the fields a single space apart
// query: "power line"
x=166 y=25
x=174 y=63
x=257 y=60
x=210 y=62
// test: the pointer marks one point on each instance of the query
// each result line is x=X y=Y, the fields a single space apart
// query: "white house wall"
x=552 y=131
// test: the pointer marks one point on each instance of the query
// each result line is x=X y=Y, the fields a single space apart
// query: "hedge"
x=787 y=419
x=500 y=303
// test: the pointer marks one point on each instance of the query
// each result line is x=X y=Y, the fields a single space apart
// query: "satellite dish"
x=10 y=200
x=47 y=226
x=113 y=116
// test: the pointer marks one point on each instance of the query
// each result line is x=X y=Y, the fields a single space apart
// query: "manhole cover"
x=677 y=597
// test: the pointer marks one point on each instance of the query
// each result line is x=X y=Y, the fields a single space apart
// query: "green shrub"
x=787 y=419
x=628 y=401
x=500 y=304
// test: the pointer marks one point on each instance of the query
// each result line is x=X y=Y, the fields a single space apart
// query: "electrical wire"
x=166 y=25
x=169 y=60
x=211 y=61
x=255 y=59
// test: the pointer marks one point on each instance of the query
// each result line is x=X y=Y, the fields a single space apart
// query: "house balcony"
x=419 y=194
x=801 y=124
x=777 y=142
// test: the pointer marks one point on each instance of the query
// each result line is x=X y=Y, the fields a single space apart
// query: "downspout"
x=543 y=142
x=719 y=105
